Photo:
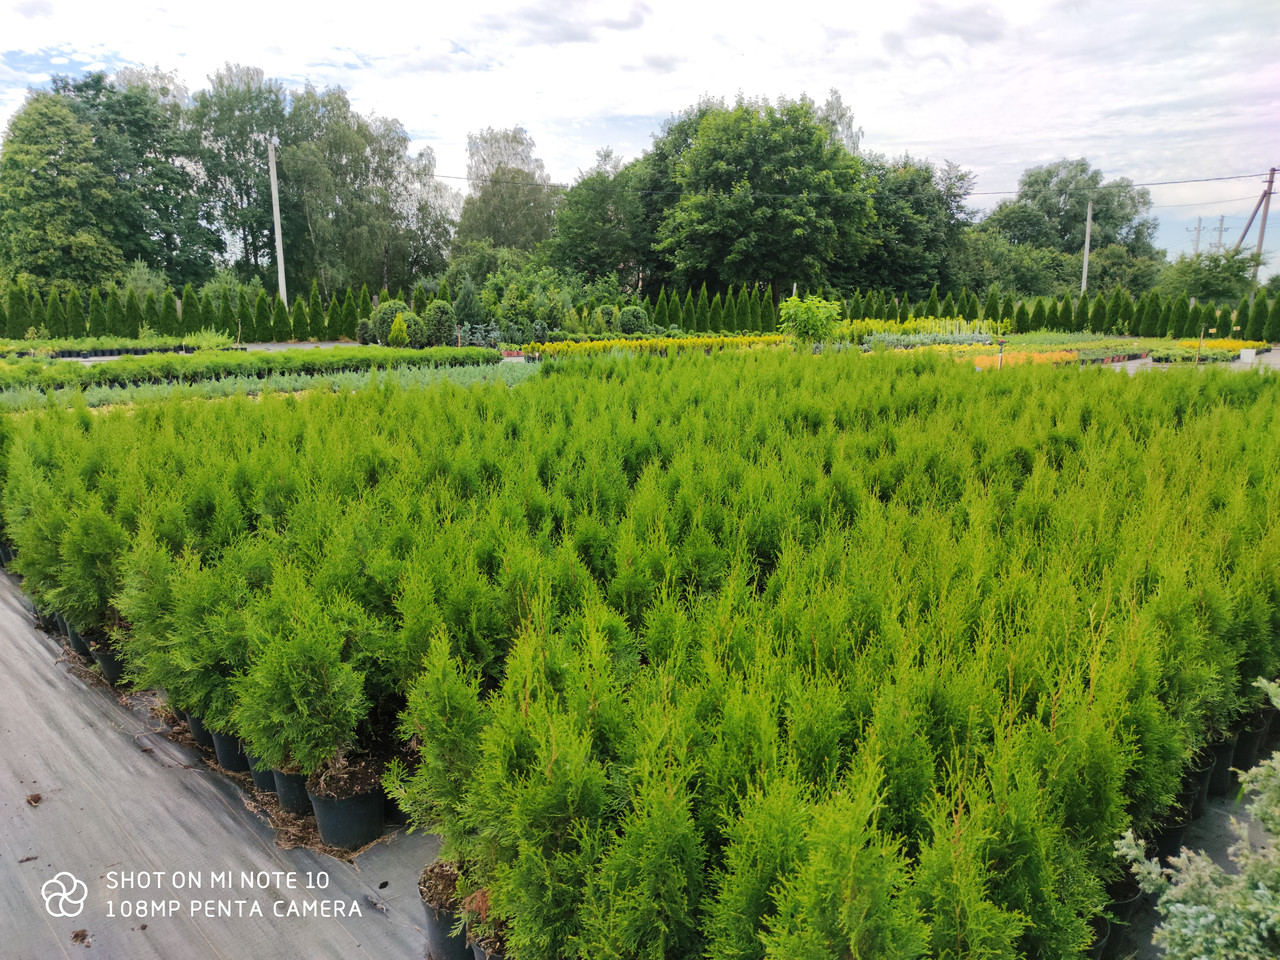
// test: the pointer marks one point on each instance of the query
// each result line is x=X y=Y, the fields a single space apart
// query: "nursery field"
x=741 y=654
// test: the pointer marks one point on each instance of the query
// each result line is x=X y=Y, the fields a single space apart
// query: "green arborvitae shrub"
x=1180 y=317
x=445 y=294
x=1007 y=308
x=1115 y=307
x=1081 y=321
x=299 y=321
x=365 y=309
x=188 y=312
x=1099 y=320
x=115 y=313
x=227 y=315
x=315 y=313
x=168 y=322
x=702 y=314
x=715 y=315
x=384 y=295
x=1166 y=318
x=384 y=314
x=75 y=317
x=948 y=307
x=37 y=311
x=420 y=299
x=991 y=311
x=932 y=308
x=1039 y=316
x=1127 y=314
x=132 y=314
x=19 y=312
x=151 y=312
x=97 y=320
x=1252 y=330
x=1239 y=318
x=208 y=311
x=768 y=312
x=55 y=319
x=855 y=305
x=244 y=315
x=440 y=323
x=350 y=317
x=1051 y=314
x=689 y=315
x=281 y=332
x=632 y=320
x=261 y=329
x=660 y=311
x=398 y=335
x=1270 y=322
x=4 y=315
x=1021 y=319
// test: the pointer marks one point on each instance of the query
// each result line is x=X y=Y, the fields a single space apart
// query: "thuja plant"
x=1207 y=912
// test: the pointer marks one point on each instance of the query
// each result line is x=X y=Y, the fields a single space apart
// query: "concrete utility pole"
x=1249 y=223
x=1217 y=247
x=1262 y=227
x=1195 y=249
x=275 y=210
x=1088 y=228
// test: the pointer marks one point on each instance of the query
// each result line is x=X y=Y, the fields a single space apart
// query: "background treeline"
x=102 y=172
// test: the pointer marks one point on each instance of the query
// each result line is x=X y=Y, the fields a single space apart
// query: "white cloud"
x=1150 y=89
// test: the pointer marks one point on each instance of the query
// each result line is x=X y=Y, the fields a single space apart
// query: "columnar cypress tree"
x=384 y=295
x=55 y=320
x=1166 y=319
x=1257 y=322
x=675 y=312
x=262 y=318
x=1051 y=314
x=227 y=314
x=689 y=313
x=904 y=310
x=1081 y=316
x=208 y=311
x=702 y=315
x=1007 y=307
x=931 y=307
x=115 y=313
x=1240 y=318
x=132 y=314
x=991 y=311
x=350 y=317
x=420 y=300
x=19 y=312
x=444 y=294
x=1149 y=317
x=280 y=329
x=1127 y=314
x=169 y=323
x=1099 y=316
x=855 y=306
x=659 y=319
x=1114 y=306
x=244 y=313
x=768 y=312
x=715 y=315
x=189 y=312
x=300 y=327
x=1271 y=324
x=366 y=304
x=1179 y=317
x=97 y=315
x=1038 y=319
x=1021 y=319
x=151 y=311
x=1194 y=318
x=948 y=307
x=75 y=314
x=37 y=311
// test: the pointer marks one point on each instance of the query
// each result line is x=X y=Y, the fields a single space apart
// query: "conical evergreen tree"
x=55 y=320
x=75 y=315
x=1179 y=317
x=1257 y=319
x=715 y=315
x=19 y=312
x=1166 y=319
x=188 y=312
x=298 y=321
x=1271 y=325
x=1147 y=318
x=855 y=306
x=1194 y=318
x=1038 y=316
x=1099 y=319
x=97 y=315
x=350 y=316
x=1080 y=319
x=1007 y=308
x=208 y=311
x=675 y=311
x=366 y=304
x=1139 y=320
x=1208 y=320
x=151 y=311
x=768 y=312
x=244 y=314
x=1114 y=305
x=1238 y=318
x=689 y=313
x=1051 y=314
x=281 y=332
x=948 y=307
x=261 y=330
x=444 y=294
x=384 y=295
x=904 y=310
x=4 y=316
x=37 y=311
x=420 y=300
x=132 y=314
x=169 y=322
x=1021 y=319
x=991 y=311
x=227 y=315
x=931 y=307
x=702 y=314
x=1127 y=312
x=659 y=319
x=115 y=313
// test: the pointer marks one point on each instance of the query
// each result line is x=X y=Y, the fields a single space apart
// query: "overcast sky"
x=1155 y=91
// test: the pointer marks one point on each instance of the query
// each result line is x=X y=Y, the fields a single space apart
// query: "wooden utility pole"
x=275 y=210
x=1262 y=227
x=1088 y=228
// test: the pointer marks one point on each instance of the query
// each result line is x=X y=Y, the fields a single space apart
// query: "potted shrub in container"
x=91 y=546
x=298 y=707
x=438 y=887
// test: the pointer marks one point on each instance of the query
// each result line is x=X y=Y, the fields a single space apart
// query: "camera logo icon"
x=64 y=895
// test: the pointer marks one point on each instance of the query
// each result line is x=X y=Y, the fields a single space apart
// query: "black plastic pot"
x=441 y=944
x=1248 y=744
x=264 y=780
x=1271 y=733
x=1101 y=934
x=1223 y=756
x=1168 y=839
x=108 y=661
x=392 y=812
x=199 y=732
x=230 y=753
x=77 y=642
x=291 y=788
x=480 y=953
x=1200 y=776
x=1126 y=898
x=349 y=822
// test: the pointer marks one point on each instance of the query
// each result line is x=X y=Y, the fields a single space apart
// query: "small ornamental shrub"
x=399 y=334
x=440 y=325
x=364 y=331
x=383 y=316
x=809 y=321
x=633 y=320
